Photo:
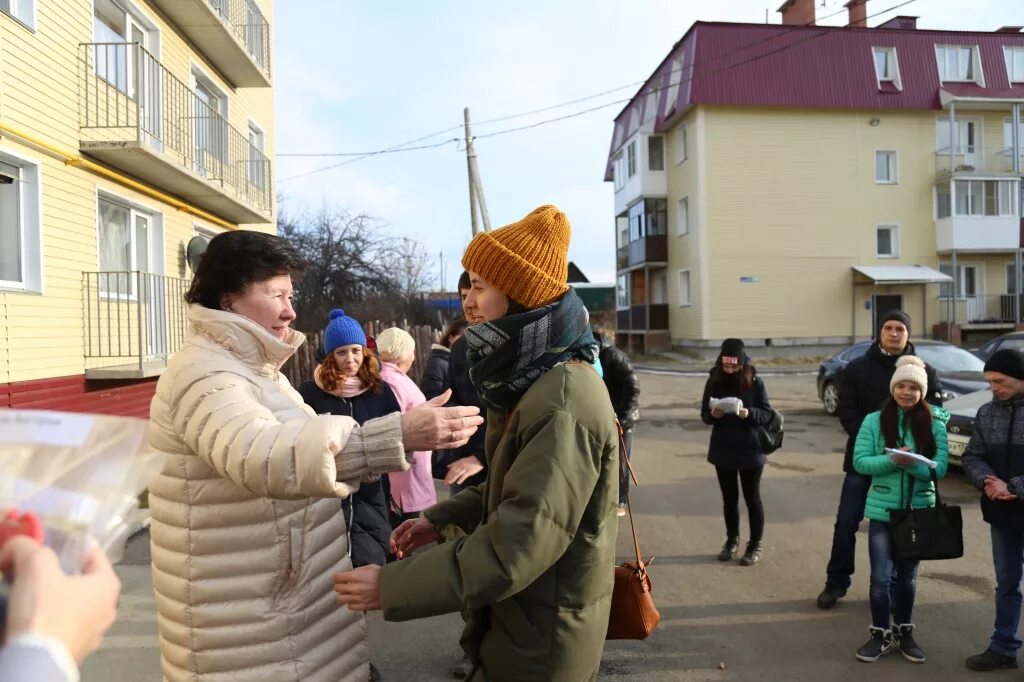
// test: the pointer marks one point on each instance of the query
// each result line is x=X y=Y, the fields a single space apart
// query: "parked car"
x=960 y=372
x=961 y=420
x=1014 y=340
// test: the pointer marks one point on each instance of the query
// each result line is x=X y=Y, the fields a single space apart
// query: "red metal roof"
x=813 y=67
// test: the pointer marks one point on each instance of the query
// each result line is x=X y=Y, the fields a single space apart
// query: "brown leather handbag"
x=633 y=613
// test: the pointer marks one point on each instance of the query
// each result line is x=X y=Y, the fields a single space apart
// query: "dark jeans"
x=750 y=479
x=627 y=439
x=844 y=538
x=893 y=582
x=1008 y=558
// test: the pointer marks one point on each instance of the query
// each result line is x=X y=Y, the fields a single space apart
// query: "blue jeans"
x=844 y=538
x=893 y=582
x=1008 y=558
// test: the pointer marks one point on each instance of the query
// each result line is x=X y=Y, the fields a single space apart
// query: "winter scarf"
x=352 y=387
x=506 y=356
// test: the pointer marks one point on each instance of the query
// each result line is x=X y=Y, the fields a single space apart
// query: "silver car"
x=961 y=421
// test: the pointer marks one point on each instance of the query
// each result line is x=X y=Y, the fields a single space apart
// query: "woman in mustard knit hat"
x=534 y=566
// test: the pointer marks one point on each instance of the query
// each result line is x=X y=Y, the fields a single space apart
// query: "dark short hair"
x=464 y=282
x=235 y=260
x=457 y=326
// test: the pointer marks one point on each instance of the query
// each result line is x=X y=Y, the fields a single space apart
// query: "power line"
x=390 y=150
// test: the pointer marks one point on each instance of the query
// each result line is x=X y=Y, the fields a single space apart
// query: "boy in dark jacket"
x=863 y=390
x=432 y=383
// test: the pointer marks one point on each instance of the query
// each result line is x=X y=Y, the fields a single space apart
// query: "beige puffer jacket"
x=247 y=528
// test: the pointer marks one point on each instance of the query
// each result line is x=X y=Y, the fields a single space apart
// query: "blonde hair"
x=395 y=344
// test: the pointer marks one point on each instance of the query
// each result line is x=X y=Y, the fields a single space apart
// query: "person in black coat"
x=735 y=449
x=432 y=383
x=863 y=389
x=624 y=391
x=347 y=382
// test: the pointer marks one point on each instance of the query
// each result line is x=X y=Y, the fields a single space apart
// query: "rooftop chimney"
x=797 y=12
x=901 y=22
x=1010 y=29
x=858 y=10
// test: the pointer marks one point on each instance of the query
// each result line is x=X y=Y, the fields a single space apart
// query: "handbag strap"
x=623 y=457
x=935 y=484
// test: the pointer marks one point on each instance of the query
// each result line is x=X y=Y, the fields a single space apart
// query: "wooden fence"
x=301 y=365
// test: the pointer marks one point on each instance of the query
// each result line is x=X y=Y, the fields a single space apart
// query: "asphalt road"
x=720 y=621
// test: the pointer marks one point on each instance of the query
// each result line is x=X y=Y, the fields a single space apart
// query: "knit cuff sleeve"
x=374 y=448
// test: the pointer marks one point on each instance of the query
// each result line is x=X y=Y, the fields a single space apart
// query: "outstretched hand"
x=359 y=589
x=411 y=535
x=432 y=426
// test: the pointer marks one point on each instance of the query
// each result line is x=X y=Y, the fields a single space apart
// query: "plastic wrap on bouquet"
x=80 y=474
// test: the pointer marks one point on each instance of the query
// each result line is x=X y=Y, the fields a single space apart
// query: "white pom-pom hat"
x=910 y=368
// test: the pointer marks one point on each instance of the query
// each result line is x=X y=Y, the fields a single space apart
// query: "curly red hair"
x=332 y=378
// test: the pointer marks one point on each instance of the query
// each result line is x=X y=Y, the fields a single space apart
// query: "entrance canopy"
x=898 y=274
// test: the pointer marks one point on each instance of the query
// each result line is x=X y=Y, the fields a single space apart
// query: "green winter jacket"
x=890 y=484
x=535 y=570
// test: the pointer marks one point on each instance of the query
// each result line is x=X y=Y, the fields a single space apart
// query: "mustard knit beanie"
x=527 y=260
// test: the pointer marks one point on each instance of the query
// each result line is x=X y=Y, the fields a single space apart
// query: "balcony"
x=134 y=322
x=973 y=161
x=994 y=311
x=652 y=249
x=635 y=319
x=138 y=117
x=978 y=233
x=232 y=34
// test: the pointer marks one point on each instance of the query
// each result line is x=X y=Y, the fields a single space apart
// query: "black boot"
x=829 y=596
x=729 y=549
x=879 y=645
x=753 y=554
x=989 y=660
x=903 y=638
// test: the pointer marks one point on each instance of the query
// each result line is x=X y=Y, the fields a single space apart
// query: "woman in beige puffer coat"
x=246 y=524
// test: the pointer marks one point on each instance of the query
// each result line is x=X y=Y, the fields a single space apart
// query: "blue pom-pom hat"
x=342 y=330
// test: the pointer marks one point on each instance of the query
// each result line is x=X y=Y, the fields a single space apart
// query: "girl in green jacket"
x=906 y=422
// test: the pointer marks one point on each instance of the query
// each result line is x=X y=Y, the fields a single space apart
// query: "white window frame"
x=675 y=77
x=681 y=144
x=1008 y=273
x=199 y=76
x=972 y=210
x=632 y=162
x=654 y=298
x=894 y=167
x=156 y=238
x=1008 y=54
x=661 y=140
x=24 y=12
x=894 y=66
x=683 y=216
x=30 y=223
x=688 y=301
x=946 y=268
x=961 y=147
x=619 y=170
x=894 y=240
x=976 y=67
x=262 y=172
x=622 y=292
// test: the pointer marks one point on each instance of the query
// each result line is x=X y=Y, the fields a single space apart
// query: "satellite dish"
x=195 y=250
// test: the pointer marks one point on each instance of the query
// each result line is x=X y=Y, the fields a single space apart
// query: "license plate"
x=956 y=448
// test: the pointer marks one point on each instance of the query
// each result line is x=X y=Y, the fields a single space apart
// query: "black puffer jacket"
x=464 y=393
x=432 y=383
x=864 y=388
x=734 y=442
x=623 y=387
x=366 y=511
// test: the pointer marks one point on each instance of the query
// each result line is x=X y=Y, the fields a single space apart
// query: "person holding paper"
x=740 y=406
x=994 y=463
x=246 y=530
x=905 y=422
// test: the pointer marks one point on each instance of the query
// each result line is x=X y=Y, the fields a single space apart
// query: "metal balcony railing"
x=979 y=309
x=973 y=159
x=128 y=95
x=133 y=320
x=247 y=22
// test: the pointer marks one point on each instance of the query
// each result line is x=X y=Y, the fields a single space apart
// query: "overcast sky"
x=361 y=76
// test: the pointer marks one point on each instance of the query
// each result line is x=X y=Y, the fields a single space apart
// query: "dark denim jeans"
x=627 y=439
x=1008 y=558
x=844 y=538
x=893 y=582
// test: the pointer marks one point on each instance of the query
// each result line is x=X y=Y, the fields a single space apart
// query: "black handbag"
x=927 y=534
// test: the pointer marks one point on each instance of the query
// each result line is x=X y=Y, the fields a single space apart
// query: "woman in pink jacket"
x=412 y=490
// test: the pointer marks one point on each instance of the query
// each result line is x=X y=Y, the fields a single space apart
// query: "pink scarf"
x=352 y=386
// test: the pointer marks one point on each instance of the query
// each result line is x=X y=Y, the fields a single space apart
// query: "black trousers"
x=730 y=482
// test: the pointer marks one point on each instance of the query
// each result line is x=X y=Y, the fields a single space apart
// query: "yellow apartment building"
x=131 y=131
x=788 y=183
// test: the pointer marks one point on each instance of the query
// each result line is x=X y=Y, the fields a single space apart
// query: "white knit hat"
x=395 y=344
x=910 y=368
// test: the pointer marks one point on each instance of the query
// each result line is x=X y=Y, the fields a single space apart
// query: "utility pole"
x=477 y=203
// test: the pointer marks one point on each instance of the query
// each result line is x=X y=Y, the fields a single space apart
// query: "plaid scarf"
x=506 y=356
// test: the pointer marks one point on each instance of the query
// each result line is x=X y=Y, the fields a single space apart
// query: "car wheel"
x=830 y=398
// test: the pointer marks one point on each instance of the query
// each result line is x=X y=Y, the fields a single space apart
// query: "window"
x=22 y=10
x=1014 y=63
x=257 y=159
x=684 y=288
x=1011 y=281
x=887 y=241
x=885 y=168
x=956 y=63
x=966 y=139
x=680 y=144
x=968 y=281
x=622 y=223
x=943 y=202
x=946 y=288
x=985 y=198
x=1008 y=136
x=20 y=225
x=126 y=243
x=622 y=293
x=887 y=68
x=651 y=106
x=114 y=26
x=256 y=29
x=683 y=217
x=631 y=159
x=655 y=153
x=636 y=221
x=659 y=287
x=675 y=76
x=648 y=218
x=619 y=171
x=211 y=132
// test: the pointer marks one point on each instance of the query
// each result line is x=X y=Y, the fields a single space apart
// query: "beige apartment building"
x=130 y=132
